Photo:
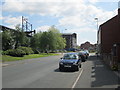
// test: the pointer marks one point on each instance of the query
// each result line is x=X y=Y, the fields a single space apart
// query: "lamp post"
x=97 y=36
x=63 y=30
x=97 y=22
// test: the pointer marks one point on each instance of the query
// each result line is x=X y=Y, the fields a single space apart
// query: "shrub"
x=115 y=67
x=8 y=52
x=36 y=51
x=27 y=50
x=14 y=52
x=19 y=53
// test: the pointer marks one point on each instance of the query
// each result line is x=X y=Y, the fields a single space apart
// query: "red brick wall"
x=110 y=34
x=118 y=53
x=119 y=31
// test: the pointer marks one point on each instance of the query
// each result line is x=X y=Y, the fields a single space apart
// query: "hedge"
x=14 y=52
x=27 y=50
x=19 y=52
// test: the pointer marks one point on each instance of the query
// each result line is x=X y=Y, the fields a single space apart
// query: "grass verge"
x=10 y=58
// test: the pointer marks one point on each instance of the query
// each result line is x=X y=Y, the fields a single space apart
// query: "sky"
x=68 y=16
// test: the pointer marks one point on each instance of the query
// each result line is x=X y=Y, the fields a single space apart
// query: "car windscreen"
x=70 y=56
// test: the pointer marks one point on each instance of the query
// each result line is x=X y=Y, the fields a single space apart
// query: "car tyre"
x=60 y=69
x=80 y=66
x=77 y=68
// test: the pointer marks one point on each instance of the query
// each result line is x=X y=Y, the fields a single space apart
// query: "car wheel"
x=77 y=68
x=87 y=57
x=83 y=60
x=80 y=66
x=60 y=69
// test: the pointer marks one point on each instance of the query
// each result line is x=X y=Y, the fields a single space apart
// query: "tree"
x=60 y=42
x=52 y=40
x=12 y=39
x=7 y=40
x=20 y=38
x=0 y=41
x=44 y=41
x=35 y=41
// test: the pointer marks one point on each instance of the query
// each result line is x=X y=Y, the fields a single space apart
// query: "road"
x=44 y=73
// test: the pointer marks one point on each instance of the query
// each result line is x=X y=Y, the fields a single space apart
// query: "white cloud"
x=84 y=18
x=80 y=30
x=44 y=1
x=42 y=28
x=75 y=14
x=11 y=21
x=92 y=1
x=1 y=18
x=13 y=6
x=71 y=8
x=42 y=8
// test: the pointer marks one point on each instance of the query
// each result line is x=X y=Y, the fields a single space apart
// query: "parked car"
x=72 y=49
x=86 y=53
x=70 y=61
x=82 y=55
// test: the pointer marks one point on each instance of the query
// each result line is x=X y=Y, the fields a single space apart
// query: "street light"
x=97 y=34
x=97 y=22
x=65 y=30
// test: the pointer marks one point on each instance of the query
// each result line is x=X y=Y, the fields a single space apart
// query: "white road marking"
x=77 y=79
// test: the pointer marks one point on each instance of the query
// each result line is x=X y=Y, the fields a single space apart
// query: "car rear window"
x=70 y=56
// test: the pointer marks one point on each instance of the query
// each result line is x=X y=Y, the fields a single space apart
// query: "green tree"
x=52 y=40
x=7 y=40
x=35 y=41
x=20 y=37
x=0 y=41
x=12 y=39
x=44 y=41
x=60 y=42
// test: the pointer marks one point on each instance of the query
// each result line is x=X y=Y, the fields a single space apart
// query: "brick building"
x=109 y=39
x=71 y=40
x=87 y=45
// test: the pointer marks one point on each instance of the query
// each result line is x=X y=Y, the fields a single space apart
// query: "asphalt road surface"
x=44 y=73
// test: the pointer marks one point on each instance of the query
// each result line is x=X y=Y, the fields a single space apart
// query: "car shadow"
x=65 y=70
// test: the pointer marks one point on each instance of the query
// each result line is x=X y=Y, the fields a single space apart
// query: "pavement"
x=97 y=75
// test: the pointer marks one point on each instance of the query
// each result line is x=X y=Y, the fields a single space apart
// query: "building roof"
x=108 y=20
x=4 y=28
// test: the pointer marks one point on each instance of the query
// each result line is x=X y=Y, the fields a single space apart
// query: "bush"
x=115 y=67
x=8 y=52
x=36 y=51
x=27 y=50
x=14 y=52
x=19 y=53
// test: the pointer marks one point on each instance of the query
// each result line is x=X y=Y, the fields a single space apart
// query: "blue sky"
x=77 y=16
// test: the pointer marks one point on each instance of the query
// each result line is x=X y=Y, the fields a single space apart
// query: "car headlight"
x=61 y=63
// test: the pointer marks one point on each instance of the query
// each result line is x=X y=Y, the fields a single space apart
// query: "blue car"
x=70 y=61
